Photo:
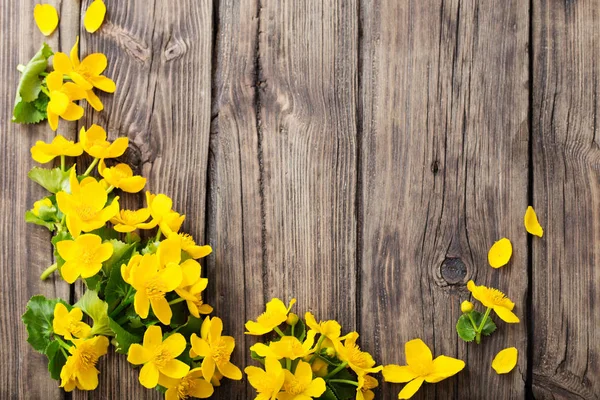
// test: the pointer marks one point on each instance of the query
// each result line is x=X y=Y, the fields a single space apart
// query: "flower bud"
x=330 y=351
x=292 y=319
x=466 y=306
x=319 y=367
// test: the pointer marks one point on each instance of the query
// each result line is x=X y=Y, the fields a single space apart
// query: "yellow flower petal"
x=532 y=224
x=62 y=63
x=162 y=310
x=175 y=369
x=175 y=344
x=46 y=18
x=138 y=354
x=411 y=388
x=505 y=360
x=94 y=16
x=398 y=374
x=500 y=253
x=417 y=353
x=444 y=367
x=506 y=315
x=149 y=376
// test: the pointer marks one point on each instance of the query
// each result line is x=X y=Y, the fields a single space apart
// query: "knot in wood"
x=453 y=270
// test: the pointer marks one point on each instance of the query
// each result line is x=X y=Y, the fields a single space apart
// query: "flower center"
x=219 y=352
x=87 y=256
x=184 y=388
x=85 y=212
x=87 y=359
x=155 y=288
x=294 y=387
x=162 y=357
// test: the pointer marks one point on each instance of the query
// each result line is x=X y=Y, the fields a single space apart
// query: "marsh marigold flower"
x=496 y=300
x=275 y=314
x=330 y=329
x=68 y=324
x=466 y=306
x=300 y=385
x=500 y=253
x=191 y=385
x=421 y=368
x=215 y=349
x=532 y=225
x=62 y=98
x=46 y=18
x=128 y=220
x=288 y=347
x=158 y=356
x=85 y=205
x=83 y=256
x=188 y=245
x=80 y=369
x=349 y=352
x=267 y=382
x=46 y=152
x=95 y=144
x=365 y=384
x=193 y=298
x=161 y=210
x=169 y=254
x=94 y=16
x=506 y=360
x=121 y=176
x=152 y=283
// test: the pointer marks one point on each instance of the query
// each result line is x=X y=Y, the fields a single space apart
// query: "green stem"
x=122 y=320
x=319 y=344
x=128 y=237
x=158 y=234
x=179 y=300
x=61 y=342
x=64 y=352
x=472 y=321
x=127 y=301
x=335 y=371
x=48 y=271
x=478 y=331
x=62 y=163
x=46 y=92
x=91 y=167
x=110 y=189
x=288 y=364
x=343 y=381
x=293 y=326
x=279 y=331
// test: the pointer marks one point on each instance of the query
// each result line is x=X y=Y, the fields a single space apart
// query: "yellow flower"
x=532 y=224
x=215 y=349
x=365 y=384
x=169 y=254
x=160 y=206
x=301 y=385
x=94 y=16
x=68 y=323
x=37 y=206
x=188 y=245
x=46 y=18
x=466 y=306
x=62 y=99
x=158 y=356
x=349 y=352
x=275 y=314
x=288 y=347
x=421 y=368
x=500 y=253
x=121 y=176
x=46 y=152
x=330 y=329
x=506 y=360
x=496 y=300
x=85 y=205
x=129 y=220
x=95 y=144
x=83 y=256
x=126 y=269
x=80 y=369
x=193 y=298
x=152 y=283
x=267 y=382
x=191 y=385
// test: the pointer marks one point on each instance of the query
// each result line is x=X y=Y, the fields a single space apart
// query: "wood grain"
x=444 y=174
x=159 y=54
x=566 y=192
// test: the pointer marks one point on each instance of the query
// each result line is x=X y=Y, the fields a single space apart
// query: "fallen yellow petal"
x=506 y=360
x=46 y=18
x=500 y=253
x=94 y=16
x=532 y=224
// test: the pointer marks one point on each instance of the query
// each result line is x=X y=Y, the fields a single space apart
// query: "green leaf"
x=489 y=327
x=53 y=180
x=124 y=338
x=34 y=219
x=467 y=332
x=192 y=325
x=299 y=331
x=30 y=84
x=27 y=113
x=41 y=103
x=328 y=394
x=56 y=359
x=116 y=288
x=97 y=309
x=343 y=391
x=38 y=319
x=122 y=253
x=94 y=283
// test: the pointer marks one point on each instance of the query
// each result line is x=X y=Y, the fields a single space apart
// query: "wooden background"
x=360 y=155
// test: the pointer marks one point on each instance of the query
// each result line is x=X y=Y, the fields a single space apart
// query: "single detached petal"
x=532 y=224
x=46 y=18
x=444 y=367
x=94 y=16
x=411 y=388
x=505 y=360
x=500 y=253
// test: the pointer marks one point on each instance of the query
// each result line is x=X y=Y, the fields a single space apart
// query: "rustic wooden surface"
x=359 y=155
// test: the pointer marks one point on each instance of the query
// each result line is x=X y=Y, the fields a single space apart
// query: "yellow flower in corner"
x=152 y=283
x=46 y=152
x=300 y=385
x=158 y=356
x=94 y=16
x=85 y=207
x=191 y=385
x=37 y=206
x=506 y=360
x=532 y=225
x=129 y=220
x=83 y=256
x=80 y=369
x=275 y=314
x=267 y=382
x=496 y=300
x=360 y=361
x=215 y=349
x=121 y=176
x=68 y=324
x=95 y=144
x=62 y=97
x=500 y=253
x=46 y=18
x=421 y=368
x=288 y=347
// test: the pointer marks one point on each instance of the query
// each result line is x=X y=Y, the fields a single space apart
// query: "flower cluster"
x=146 y=295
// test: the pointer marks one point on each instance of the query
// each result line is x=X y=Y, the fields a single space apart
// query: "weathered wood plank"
x=26 y=249
x=566 y=158
x=159 y=54
x=444 y=100
x=283 y=170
